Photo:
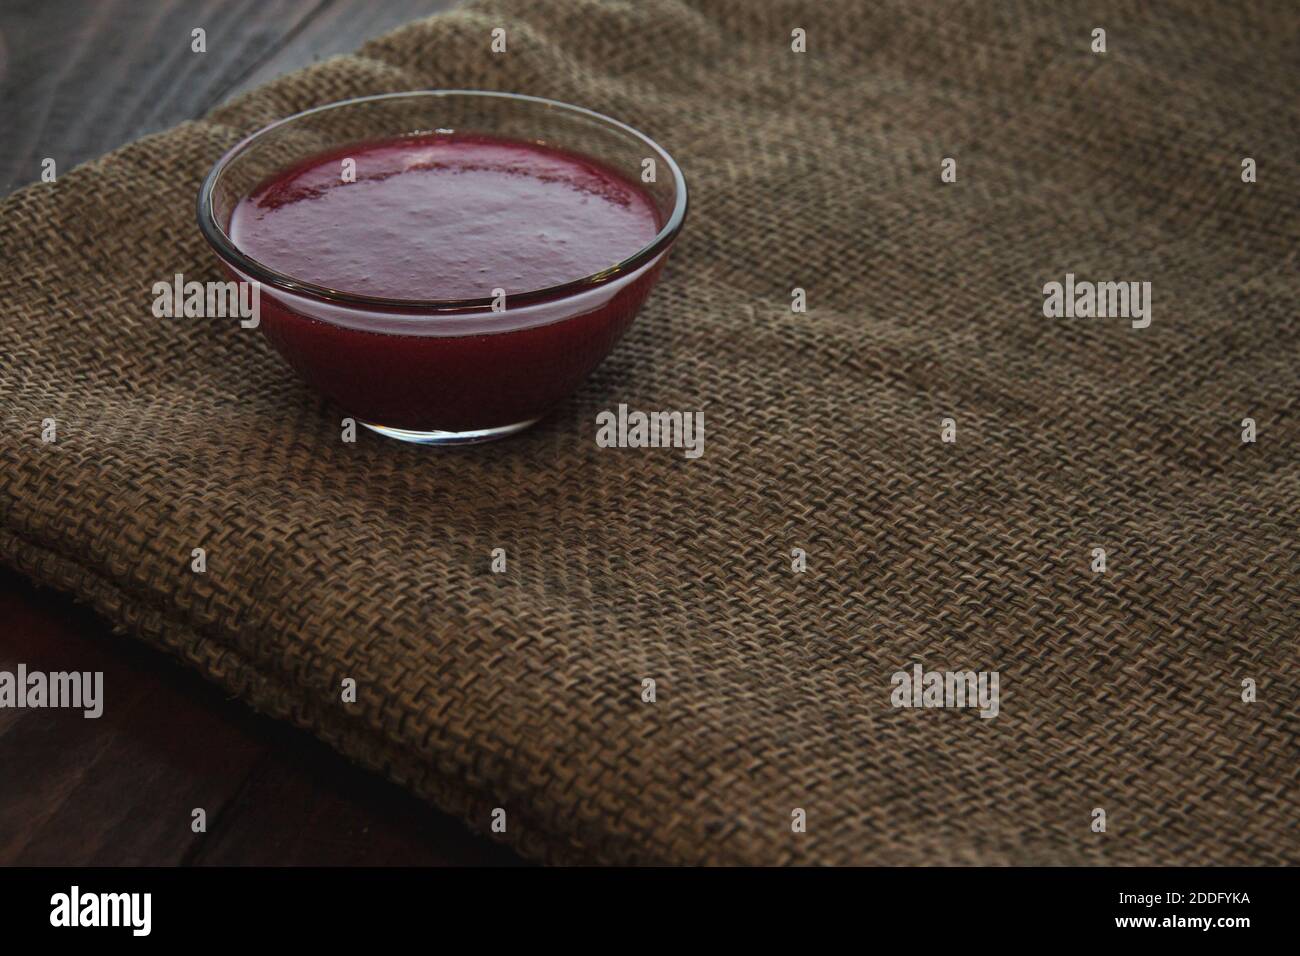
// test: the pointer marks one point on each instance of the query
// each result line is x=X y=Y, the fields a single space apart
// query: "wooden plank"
x=82 y=77
x=339 y=27
x=118 y=789
x=304 y=806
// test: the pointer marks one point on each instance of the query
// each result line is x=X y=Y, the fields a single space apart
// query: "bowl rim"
x=221 y=242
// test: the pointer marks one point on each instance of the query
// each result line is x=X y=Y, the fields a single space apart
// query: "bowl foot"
x=450 y=438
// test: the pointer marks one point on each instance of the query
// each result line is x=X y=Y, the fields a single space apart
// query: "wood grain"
x=81 y=77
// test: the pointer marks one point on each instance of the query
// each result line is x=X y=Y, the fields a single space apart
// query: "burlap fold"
x=822 y=171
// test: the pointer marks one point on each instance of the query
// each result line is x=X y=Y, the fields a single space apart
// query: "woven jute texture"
x=1120 y=690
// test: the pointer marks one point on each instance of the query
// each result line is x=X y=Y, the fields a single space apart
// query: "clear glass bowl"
x=452 y=370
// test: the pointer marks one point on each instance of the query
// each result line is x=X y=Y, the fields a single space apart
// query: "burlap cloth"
x=523 y=690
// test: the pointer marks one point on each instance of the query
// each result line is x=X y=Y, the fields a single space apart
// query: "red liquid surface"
x=439 y=217
x=444 y=218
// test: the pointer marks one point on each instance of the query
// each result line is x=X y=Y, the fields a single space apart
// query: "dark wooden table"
x=78 y=78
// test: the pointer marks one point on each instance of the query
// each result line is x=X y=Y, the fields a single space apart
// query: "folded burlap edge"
x=266 y=695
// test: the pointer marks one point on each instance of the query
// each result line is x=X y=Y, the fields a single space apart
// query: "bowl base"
x=450 y=438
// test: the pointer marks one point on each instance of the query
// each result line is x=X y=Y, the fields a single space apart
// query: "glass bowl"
x=445 y=371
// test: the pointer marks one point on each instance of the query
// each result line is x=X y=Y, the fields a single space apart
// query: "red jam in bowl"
x=439 y=218
x=447 y=287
